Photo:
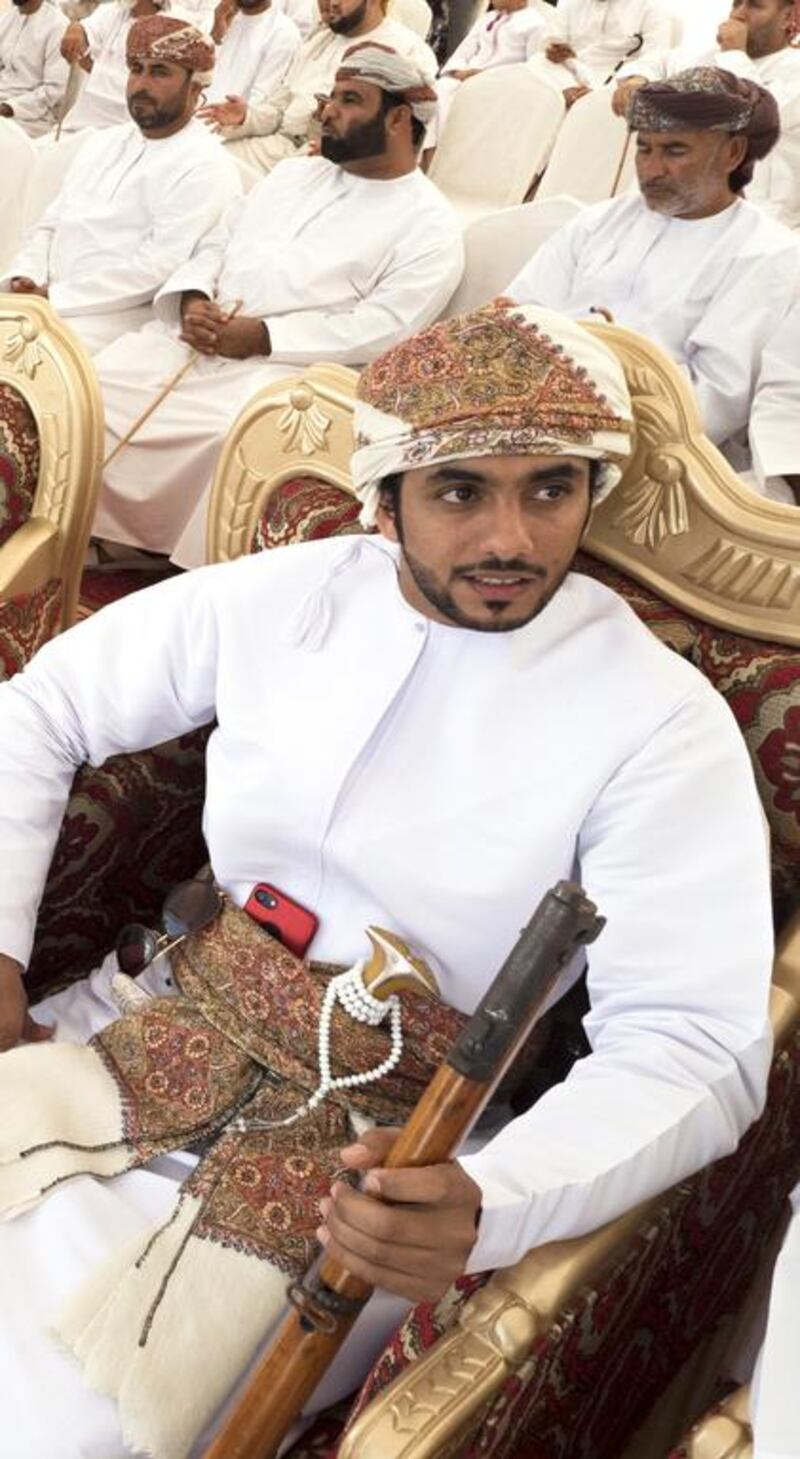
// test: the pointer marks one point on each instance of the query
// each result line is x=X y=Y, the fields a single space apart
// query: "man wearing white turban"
x=331 y=258
x=439 y=722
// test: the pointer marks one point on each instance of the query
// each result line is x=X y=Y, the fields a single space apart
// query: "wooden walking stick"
x=327 y=1301
x=165 y=390
x=65 y=99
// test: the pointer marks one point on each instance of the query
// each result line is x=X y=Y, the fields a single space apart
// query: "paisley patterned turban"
x=507 y=379
x=708 y=99
x=384 y=67
x=167 y=38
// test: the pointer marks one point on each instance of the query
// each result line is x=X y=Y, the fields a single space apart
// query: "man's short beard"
x=368 y=140
x=161 y=117
x=346 y=24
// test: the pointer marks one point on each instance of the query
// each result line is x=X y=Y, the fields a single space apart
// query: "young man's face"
x=487 y=541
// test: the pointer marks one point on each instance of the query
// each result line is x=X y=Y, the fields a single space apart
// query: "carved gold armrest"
x=725 y=1433
x=29 y=558
x=437 y=1398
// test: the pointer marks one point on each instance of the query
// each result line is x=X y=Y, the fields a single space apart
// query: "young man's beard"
x=347 y=23
x=367 y=140
x=159 y=116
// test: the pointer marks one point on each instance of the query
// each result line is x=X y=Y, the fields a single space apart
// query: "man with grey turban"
x=331 y=258
x=437 y=723
x=137 y=199
x=688 y=262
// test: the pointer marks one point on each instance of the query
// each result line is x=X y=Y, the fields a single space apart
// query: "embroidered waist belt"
x=166 y=1328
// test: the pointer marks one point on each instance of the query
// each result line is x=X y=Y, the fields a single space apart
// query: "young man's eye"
x=458 y=494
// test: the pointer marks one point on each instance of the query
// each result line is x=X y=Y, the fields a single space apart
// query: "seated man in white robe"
x=753 y=42
x=686 y=261
x=423 y=730
x=256 y=43
x=136 y=199
x=589 y=40
x=330 y=258
x=506 y=34
x=33 y=72
x=97 y=44
x=282 y=127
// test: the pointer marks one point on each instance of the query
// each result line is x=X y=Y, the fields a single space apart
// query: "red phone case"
x=291 y=923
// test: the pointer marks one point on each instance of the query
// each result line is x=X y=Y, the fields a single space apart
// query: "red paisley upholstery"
x=19 y=460
x=131 y=830
x=26 y=622
x=304 y=509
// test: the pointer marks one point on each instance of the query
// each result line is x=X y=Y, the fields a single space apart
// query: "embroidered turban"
x=708 y=99
x=384 y=67
x=167 y=38
x=507 y=379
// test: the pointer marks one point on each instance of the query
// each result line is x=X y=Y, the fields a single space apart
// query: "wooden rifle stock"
x=329 y=1299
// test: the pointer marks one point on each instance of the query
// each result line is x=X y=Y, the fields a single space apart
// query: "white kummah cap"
x=384 y=67
x=507 y=379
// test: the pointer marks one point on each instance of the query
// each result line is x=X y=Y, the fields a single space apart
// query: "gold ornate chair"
x=724 y=1433
x=51 y=433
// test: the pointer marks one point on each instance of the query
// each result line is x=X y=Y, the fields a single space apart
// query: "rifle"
x=325 y=1304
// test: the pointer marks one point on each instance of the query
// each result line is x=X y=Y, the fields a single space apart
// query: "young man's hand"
x=241 y=338
x=416 y=1237
x=558 y=51
x=228 y=113
x=15 y=1021
x=22 y=285
x=732 y=34
x=624 y=91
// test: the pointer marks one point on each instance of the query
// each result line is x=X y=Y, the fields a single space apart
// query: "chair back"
x=51 y=164
x=18 y=161
x=482 y=166
x=416 y=14
x=590 y=152
x=286 y=462
x=498 y=246
x=51 y=438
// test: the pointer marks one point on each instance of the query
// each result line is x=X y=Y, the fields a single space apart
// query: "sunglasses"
x=190 y=906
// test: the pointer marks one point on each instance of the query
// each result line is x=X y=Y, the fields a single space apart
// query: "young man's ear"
x=386 y=515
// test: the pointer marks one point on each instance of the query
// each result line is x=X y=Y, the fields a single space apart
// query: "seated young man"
x=137 y=198
x=587 y=41
x=330 y=258
x=423 y=729
x=687 y=261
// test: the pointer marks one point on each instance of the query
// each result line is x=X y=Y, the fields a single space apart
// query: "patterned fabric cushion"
x=26 y=622
x=99 y=586
x=688 y=1268
x=304 y=509
x=19 y=460
x=131 y=830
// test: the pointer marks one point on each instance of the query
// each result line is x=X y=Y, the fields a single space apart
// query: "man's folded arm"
x=675 y=855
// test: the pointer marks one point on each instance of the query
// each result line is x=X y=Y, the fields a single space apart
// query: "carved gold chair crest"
x=51 y=437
